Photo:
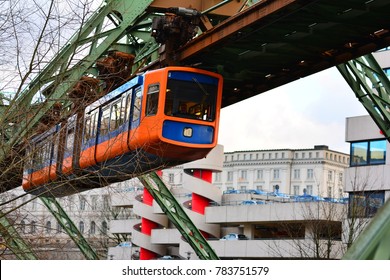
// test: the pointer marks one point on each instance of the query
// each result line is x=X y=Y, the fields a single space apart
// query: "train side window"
x=129 y=98
x=87 y=129
x=55 y=146
x=105 y=121
x=90 y=126
x=152 y=99
x=117 y=115
x=137 y=105
x=70 y=140
x=94 y=123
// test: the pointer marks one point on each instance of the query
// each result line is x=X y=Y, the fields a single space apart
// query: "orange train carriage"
x=158 y=119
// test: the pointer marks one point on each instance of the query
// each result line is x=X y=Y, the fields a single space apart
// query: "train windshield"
x=191 y=95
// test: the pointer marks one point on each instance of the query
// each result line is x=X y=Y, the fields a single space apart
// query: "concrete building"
x=277 y=223
x=368 y=177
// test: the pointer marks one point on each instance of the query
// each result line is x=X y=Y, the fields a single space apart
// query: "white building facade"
x=318 y=171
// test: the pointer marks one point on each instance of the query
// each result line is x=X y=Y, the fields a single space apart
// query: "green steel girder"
x=14 y=241
x=67 y=224
x=371 y=86
x=172 y=208
x=61 y=75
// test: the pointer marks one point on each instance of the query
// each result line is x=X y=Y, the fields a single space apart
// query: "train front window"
x=191 y=95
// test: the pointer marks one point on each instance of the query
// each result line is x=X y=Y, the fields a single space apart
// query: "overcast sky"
x=304 y=113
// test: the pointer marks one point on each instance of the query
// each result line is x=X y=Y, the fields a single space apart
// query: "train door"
x=134 y=103
x=78 y=138
x=54 y=142
x=88 y=146
x=136 y=108
x=68 y=146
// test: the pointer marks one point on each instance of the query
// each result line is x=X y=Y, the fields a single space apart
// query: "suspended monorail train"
x=158 y=119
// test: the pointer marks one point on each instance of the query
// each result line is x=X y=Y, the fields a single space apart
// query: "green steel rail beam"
x=61 y=75
x=372 y=87
x=14 y=241
x=172 y=208
x=63 y=219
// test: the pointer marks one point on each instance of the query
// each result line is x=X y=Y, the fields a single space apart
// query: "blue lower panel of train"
x=188 y=133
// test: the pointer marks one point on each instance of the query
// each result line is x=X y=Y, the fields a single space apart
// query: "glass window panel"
x=359 y=153
x=378 y=152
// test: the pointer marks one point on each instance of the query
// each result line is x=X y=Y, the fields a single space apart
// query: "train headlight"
x=187 y=132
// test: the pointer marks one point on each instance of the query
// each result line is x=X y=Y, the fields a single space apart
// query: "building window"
x=310 y=174
x=93 y=227
x=297 y=173
x=282 y=155
x=259 y=174
x=243 y=174
x=94 y=202
x=81 y=227
x=59 y=228
x=70 y=202
x=276 y=174
x=309 y=189
x=33 y=227
x=230 y=176
x=106 y=202
x=341 y=177
x=365 y=204
x=83 y=202
x=243 y=188
x=296 y=190
x=104 y=227
x=259 y=187
x=368 y=152
x=303 y=155
x=310 y=155
x=171 y=178
x=330 y=175
x=48 y=227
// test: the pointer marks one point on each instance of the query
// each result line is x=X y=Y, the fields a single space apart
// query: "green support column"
x=372 y=87
x=172 y=208
x=14 y=241
x=63 y=219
